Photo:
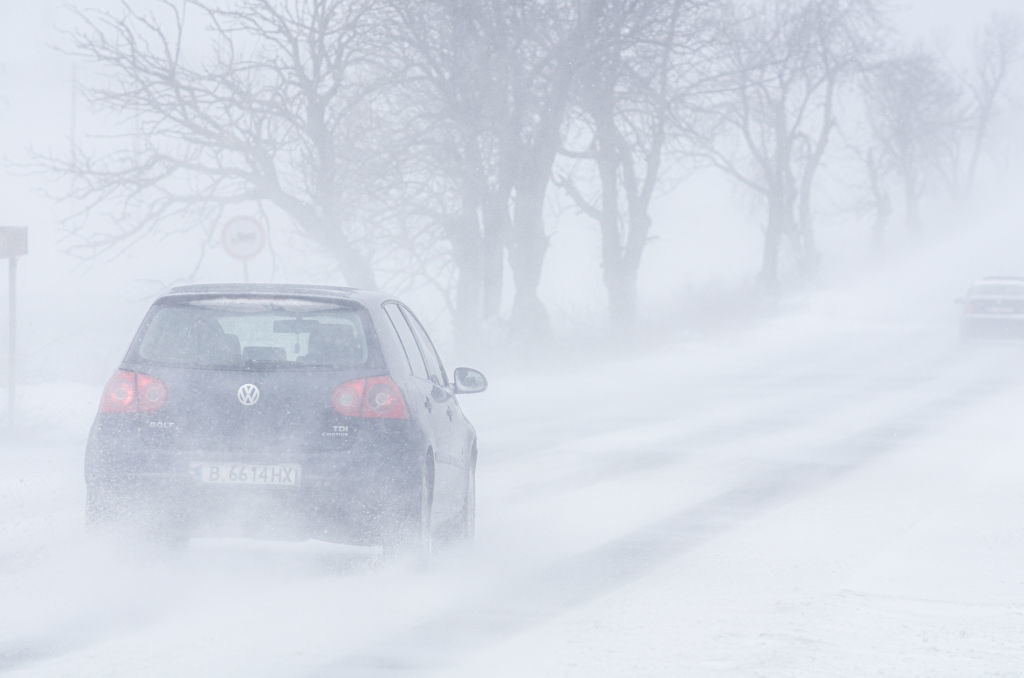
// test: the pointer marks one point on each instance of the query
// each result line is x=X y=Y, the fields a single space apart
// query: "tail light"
x=348 y=398
x=132 y=392
x=373 y=398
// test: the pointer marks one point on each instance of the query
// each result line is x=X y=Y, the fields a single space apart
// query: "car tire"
x=467 y=517
x=166 y=540
x=105 y=514
x=410 y=532
x=965 y=334
x=100 y=508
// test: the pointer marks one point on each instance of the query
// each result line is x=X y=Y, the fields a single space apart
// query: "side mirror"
x=468 y=380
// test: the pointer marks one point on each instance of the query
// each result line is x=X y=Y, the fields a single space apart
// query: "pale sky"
x=954 y=16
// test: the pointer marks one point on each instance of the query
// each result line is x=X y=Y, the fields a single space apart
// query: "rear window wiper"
x=286 y=364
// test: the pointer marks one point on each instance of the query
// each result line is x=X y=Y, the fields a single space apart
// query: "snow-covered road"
x=833 y=494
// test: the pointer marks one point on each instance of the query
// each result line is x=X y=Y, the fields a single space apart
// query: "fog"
x=807 y=476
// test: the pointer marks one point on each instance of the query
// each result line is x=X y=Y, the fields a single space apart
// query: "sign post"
x=243 y=238
x=13 y=244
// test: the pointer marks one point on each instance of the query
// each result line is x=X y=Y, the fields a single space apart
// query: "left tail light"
x=133 y=392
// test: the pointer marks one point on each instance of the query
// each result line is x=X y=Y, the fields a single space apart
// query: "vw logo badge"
x=248 y=394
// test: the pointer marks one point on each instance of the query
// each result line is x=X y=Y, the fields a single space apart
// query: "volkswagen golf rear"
x=284 y=411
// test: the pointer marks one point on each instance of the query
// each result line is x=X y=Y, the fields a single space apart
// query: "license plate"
x=1000 y=309
x=288 y=475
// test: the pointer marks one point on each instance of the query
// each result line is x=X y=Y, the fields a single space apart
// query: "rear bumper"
x=341 y=496
x=1009 y=327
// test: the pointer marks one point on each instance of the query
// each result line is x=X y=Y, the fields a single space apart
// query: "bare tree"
x=491 y=81
x=646 y=66
x=997 y=56
x=916 y=114
x=457 y=55
x=286 y=104
x=787 y=61
x=878 y=170
x=928 y=125
x=543 y=84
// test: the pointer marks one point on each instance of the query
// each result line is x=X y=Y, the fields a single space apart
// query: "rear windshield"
x=998 y=290
x=255 y=333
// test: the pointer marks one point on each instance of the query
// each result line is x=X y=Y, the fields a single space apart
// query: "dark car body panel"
x=354 y=470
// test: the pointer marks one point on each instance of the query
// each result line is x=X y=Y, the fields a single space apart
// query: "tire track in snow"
x=437 y=644
x=760 y=416
x=574 y=581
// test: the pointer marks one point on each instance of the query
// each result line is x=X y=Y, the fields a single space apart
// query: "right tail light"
x=372 y=398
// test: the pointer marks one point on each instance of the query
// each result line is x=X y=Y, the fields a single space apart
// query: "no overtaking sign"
x=13 y=241
x=243 y=238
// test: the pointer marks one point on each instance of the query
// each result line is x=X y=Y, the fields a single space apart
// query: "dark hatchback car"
x=993 y=309
x=284 y=411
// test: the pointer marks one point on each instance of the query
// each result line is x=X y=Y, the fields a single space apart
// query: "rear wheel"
x=130 y=518
x=97 y=509
x=467 y=517
x=168 y=540
x=104 y=507
x=410 y=532
x=966 y=335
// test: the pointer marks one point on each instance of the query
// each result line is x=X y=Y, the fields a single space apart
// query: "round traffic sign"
x=243 y=237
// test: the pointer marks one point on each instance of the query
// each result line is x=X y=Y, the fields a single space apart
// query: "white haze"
x=833 y=490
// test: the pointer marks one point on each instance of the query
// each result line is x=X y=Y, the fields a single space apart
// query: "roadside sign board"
x=243 y=237
x=13 y=244
x=13 y=241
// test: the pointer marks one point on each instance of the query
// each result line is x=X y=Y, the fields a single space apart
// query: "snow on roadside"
x=908 y=566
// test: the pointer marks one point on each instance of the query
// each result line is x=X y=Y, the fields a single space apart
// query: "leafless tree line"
x=422 y=138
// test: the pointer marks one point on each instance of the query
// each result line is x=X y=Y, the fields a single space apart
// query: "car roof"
x=306 y=290
x=1003 y=286
x=1010 y=279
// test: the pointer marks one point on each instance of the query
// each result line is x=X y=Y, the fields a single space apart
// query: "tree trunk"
x=809 y=257
x=882 y=204
x=878 y=232
x=495 y=230
x=529 y=242
x=529 y=322
x=639 y=228
x=467 y=253
x=358 y=271
x=620 y=256
x=355 y=266
x=912 y=197
x=773 y=233
x=621 y=284
x=613 y=264
x=529 y=318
